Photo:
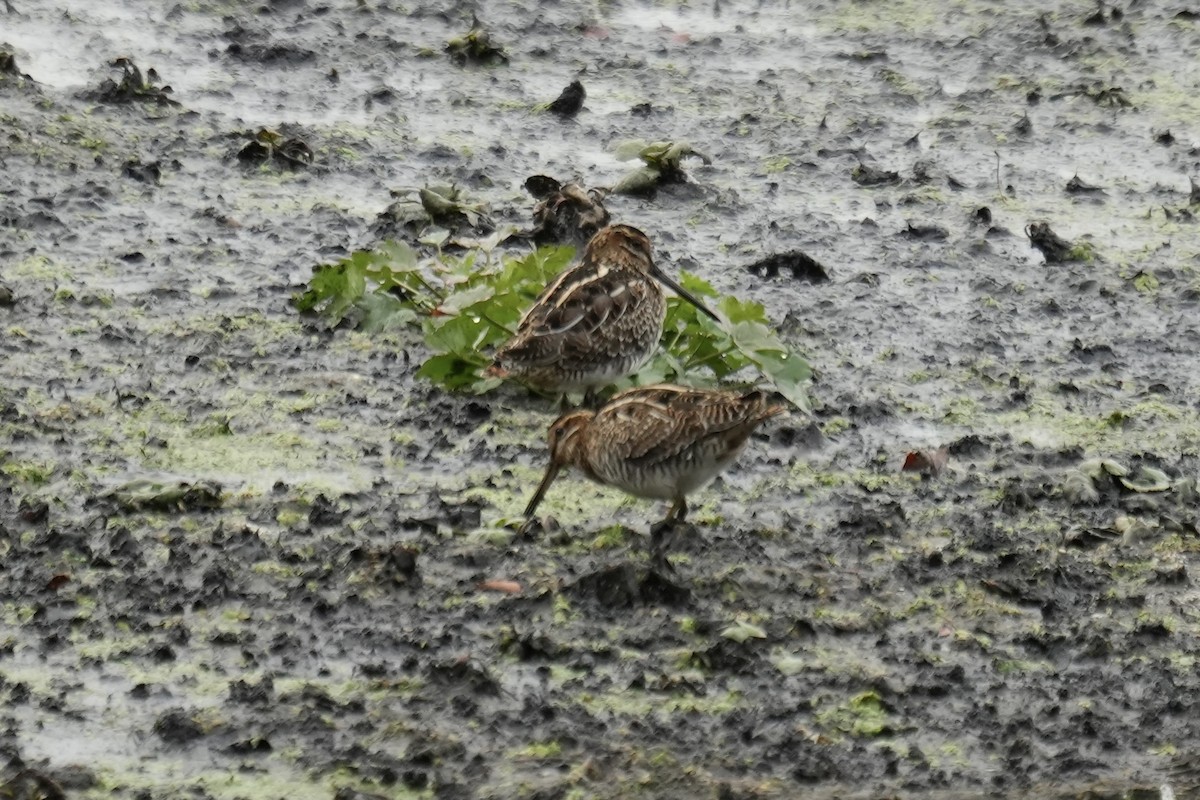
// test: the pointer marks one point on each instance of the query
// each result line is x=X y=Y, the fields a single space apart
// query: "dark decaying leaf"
x=269 y=146
x=866 y=175
x=802 y=266
x=926 y=232
x=1053 y=247
x=1077 y=186
x=132 y=88
x=9 y=68
x=569 y=101
x=541 y=186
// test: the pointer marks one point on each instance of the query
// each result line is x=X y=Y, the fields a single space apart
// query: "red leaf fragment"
x=926 y=462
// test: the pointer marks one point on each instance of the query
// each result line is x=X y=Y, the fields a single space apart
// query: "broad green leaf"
x=736 y=310
x=334 y=288
x=788 y=663
x=450 y=371
x=630 y=149
x=753 y=336
x=696 y=285
x=435 y=237
x=550 y=261
x=457 y=302
x=397 y=256
x=484 y=384
x=383 y=311
x=657 y=370
x=656 y=153
x=451 y=334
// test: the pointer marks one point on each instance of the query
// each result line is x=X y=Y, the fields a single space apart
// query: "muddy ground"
x=305 y=612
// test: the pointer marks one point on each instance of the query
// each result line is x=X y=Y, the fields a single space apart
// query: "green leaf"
x=335 y=288
x=397 y=256
x=459 y=301
x=451 y=334
x=450 y=370
x=656 y=153
x=1148 y=479
x=749 y=336
x=435 y=238
x=639 y=181
x=656 y=370
x=740 y=631
x=383 y=311
x=630 y=149
x=549 y=262
x=736 y=310
x=696 y=285
x=789 y=663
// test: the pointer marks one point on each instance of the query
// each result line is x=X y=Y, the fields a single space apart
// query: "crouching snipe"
x=596 y=322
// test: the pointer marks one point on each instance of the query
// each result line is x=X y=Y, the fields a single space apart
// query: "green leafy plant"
x=466 y=306
x=662 y=162
x=415 y=210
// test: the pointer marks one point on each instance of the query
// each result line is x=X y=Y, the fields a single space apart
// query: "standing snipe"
x=660 y=442
x=597 y=322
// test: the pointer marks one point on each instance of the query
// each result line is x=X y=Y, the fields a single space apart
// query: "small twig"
x=999 y=188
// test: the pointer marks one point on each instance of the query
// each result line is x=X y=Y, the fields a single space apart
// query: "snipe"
x=597 y=322
x=659 y=442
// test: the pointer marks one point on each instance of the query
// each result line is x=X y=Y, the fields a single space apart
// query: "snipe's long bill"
x=670 y=283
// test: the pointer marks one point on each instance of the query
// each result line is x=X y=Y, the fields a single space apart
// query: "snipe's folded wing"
x=653 y=424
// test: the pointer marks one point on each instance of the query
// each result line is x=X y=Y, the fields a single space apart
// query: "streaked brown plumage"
x=597 y=322
x=659 y=442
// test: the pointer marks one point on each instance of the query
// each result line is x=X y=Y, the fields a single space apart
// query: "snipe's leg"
x=660 y=534
x=589 y=398
x=663 y=533
x=678 y=512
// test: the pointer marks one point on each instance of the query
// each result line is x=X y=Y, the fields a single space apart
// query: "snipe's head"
x=624 y=245
x=621 y=245
x=565 y=439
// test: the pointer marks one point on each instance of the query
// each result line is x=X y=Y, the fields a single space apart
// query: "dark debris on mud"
x=242 y=555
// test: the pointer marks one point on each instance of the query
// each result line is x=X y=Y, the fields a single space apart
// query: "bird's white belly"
x=667 y=482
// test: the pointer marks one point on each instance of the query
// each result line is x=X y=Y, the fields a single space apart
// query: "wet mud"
x=243 y=555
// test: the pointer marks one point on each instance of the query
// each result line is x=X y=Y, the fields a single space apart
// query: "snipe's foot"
x=662 y=536
x=534 y=527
